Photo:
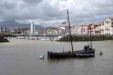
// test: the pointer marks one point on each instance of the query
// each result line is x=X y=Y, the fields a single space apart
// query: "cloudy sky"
x=53 y=12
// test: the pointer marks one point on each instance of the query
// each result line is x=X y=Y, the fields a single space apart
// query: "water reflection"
x=59 y=60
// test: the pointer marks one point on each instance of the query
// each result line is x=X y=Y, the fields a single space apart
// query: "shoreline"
x=80 y=38
x=2 y=40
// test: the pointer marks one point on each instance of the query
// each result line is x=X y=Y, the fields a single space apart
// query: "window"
x=107 y=22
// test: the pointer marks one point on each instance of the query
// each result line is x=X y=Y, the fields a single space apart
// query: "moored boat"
x=87 y=51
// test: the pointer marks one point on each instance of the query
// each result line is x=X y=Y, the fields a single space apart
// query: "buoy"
x=101 y=53
x=42 y=57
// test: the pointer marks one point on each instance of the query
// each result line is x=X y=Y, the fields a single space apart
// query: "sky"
x=53 y=12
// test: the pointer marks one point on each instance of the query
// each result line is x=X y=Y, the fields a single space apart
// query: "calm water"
x=21 y=57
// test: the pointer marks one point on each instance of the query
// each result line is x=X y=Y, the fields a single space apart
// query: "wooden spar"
x=71 y=39
x=90 y=36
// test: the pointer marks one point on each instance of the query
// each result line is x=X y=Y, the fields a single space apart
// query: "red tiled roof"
x=86 y=24
x=12 y=27
x=96 y=24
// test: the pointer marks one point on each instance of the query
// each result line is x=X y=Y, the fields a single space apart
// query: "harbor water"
x=22 y=57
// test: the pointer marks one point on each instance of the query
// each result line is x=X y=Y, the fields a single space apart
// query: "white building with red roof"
x=76 y=29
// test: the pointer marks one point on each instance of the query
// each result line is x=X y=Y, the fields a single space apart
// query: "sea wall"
x=86 y=38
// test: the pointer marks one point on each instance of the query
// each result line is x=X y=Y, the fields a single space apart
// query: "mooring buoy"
x=41 y=56
x=101 y=53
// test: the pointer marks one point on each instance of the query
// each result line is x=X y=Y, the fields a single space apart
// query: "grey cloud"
x=52 y=12
x=7 y=5
x=33 y=1
x=96 y=13
x=14 y=10
x=91 y=11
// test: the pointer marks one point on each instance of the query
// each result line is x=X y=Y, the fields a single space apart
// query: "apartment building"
x=108 y=26
x=76 y=30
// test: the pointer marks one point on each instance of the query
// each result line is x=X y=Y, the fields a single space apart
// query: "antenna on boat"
x=71 y=39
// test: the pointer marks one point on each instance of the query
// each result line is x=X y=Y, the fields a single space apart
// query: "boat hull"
x=69 y=54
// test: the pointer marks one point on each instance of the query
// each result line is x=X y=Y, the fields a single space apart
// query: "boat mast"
x=71 y=39
x=90 y=36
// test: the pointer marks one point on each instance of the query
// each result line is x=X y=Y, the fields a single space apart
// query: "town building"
x=96 y=29
x=32 y=28
x=14 y=30
x=108 y=26
x=3 y=29
x=76 y=30
x=84 y=29
x=63 y=30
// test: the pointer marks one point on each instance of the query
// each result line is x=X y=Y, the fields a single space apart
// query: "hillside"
x=15 y=24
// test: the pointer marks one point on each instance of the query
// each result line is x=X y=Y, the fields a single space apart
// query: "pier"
x=32 y=37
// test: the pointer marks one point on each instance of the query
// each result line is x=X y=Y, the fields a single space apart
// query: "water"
x=21 y=57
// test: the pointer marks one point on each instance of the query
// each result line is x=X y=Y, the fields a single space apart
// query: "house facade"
x=108 y=26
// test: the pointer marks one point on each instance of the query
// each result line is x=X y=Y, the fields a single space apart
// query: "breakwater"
x=86 y=38
x=2 y=39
